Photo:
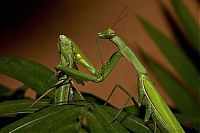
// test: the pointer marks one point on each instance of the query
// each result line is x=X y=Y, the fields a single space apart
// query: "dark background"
x=30 y=29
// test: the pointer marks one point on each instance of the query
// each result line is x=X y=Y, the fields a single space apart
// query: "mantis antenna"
x=119 y=18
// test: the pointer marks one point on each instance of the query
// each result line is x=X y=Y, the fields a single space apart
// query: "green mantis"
x=70 y=55
x=65 y=92
x=147 y=93
x=64 y=86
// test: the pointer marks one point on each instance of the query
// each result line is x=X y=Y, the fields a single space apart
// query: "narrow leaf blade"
x=32 y=74
x=20 y=106
x=131 y=122
x=49 y=119
x=106 y=119
x=94 y=125
x=174 y=54
x=190 y=26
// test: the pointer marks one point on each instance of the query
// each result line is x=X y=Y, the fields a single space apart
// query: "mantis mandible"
x=147 y=93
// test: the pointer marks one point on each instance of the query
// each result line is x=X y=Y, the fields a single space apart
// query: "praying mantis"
x=70 y=55
x=147 y=93
x=64 y=86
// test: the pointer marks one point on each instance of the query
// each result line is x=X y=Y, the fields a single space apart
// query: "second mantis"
x=155 y=105
x=147 y=93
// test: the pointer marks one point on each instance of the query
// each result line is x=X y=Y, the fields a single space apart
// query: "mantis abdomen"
x=147 y=93
x=156 y=106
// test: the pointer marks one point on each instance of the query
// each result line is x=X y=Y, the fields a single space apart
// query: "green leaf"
x=134 y=110
x=93 y=123
x=190 y=26
x=106 y=119
x=20 y=106
x=71 y=128
x=181 y=98
x=174 y=54
x=67 y=118
x=32 y=74
x=189 y=120
x=94 y=99
x=47 y=120
x=131 y=122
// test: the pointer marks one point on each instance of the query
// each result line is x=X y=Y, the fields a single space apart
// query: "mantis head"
x=107 y=34
x=64 y=44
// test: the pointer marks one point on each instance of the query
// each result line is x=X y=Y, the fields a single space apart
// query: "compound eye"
x=78 y=56
x=62 y=37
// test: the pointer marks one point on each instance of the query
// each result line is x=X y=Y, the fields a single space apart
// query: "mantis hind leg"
x=130 y=97
x=47 y=92
x=55 y=86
